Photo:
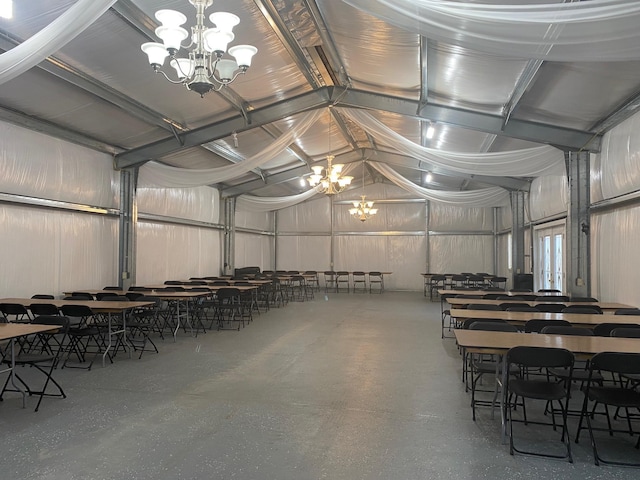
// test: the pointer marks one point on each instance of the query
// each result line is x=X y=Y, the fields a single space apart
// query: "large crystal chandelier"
x=205 y=69
x=363 y=209
x=333 y=181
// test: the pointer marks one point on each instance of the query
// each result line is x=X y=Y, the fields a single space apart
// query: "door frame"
x=539 y=231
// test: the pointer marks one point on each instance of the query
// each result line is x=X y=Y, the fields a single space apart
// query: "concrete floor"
x=352 y=386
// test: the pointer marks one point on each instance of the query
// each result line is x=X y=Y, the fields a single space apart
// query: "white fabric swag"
x=485 y=197
x=154 y=174
x=51 y=38
x=266 y=204
x=529 y=162
x=597 y=30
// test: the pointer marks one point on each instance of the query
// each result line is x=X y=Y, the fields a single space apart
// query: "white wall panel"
x=175 y=252
x=620 y=159
x=199 y=203
x=37 y=165
x=303 y=253
x=445 y=218
x=404 y=256
x=549 y=196
x=51 y=251
x=254 y=220
x=253 y=251
x=312 y=216
x=461 y=253
x=615 y=266
x=505 y=219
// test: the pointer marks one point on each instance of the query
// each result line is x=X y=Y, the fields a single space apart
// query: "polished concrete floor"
x=350 y=387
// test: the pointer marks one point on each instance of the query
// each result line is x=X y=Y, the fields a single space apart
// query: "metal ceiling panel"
x=579 y=95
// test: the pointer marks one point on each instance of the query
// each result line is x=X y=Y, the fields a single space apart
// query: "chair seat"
x=618 y=397
x=540 y=390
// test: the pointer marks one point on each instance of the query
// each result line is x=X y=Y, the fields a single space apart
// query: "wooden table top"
x=586 y=319
x=500 y=342
x=484 y=301
x=15 y=330
x=449 y=291
x=96 y=305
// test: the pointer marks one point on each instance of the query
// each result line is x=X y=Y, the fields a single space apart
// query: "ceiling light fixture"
x=333 y=182
x=205 y=69
x=431 y=130
x=363 y=210
x=6 y=8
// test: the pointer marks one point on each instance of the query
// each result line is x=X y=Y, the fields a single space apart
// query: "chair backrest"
x=133 y=296
x=59 y=320
x=536 y=325
x=551 y=307
x=43 y=296
x=627 y=311
x=510 y=297
x=112 y=287
x=584 y=299
x=375 y=274
x=543 y=357
x=197 y=282
x=81 y=311
x=221 y=282
x=520 y=308
x=114 y=298
x=492 y=296
x=227 y=293
x=493 y=326
x=605 y=329
x=625 y=363
x=81 y=296
x=592 y=309
x=470 y=321
x=549 y=290
x=173 y=282
x=39 y=309
x=567 y=330
x=505 y=305
x=16 y=309
x=483 y=306
x=523 y=290
x=554 y=298
x=626 y=332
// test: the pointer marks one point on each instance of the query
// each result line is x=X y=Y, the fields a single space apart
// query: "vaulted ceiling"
x=99 y=90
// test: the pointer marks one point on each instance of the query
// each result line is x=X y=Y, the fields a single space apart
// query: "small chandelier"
x=205 y=69
x=333 y=182
x=363 y=209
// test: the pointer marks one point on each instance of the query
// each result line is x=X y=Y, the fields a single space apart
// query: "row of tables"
x=499 y=343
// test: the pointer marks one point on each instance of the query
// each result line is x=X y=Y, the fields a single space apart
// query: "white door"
x=549 y=260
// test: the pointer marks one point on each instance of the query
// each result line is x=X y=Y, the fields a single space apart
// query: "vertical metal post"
x=427 y=211
x=331 y=266
x=517 y=233
x=128 y=224
x=274 y=253
x=578 y=224
x=229 y=235
x=495 y=241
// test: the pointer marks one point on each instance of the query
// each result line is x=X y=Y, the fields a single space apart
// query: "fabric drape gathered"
x=154 y=174
x=266 y=204
x=528 y=162
x=598 y=30
x=484 y=197
x=51 y=38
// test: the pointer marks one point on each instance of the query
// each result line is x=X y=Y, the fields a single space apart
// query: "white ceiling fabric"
x=578 y=31
x=51 y=38
x=154 y=174
x=267 y=204
x=484 y=197
x=529 y=162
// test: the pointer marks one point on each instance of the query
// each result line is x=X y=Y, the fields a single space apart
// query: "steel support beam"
x=578 y=271
x=517 y=234
x=229 y=252
x=128 y=228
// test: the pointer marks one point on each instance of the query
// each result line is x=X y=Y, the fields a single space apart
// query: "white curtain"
x=51 y=38
x=153 y=174
x=267 y=204
x=597 y=30
x=485 y=197
x=529 y=162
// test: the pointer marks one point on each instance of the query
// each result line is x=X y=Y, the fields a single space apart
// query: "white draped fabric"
x=51 y=38
x=267 y=204
x=597 y=30
x=529 y=162
x=154 y=174
x=485 y=197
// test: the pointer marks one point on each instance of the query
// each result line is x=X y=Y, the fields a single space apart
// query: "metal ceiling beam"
x=237 y=123
x=484 y=122
x=294 y=149
x=509 y=183
x=522 y=85
x=424 y=80
x=629 y=108
x=322 y=97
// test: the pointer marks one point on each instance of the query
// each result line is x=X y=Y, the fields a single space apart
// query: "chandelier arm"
x=175 y=82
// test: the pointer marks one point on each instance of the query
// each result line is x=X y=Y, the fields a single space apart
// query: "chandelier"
x=363 y=209
x=205 y=69
x=333 y=181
